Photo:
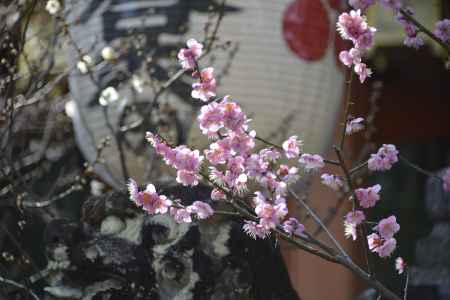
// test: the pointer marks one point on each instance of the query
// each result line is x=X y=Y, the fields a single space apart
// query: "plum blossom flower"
x=255 y=230
x=206 y=88
x=383 y=160
x=217 y=194
x=53 y=7
x=368 y=197
x=350 y=230
x=387 y=227
x=201 y=209
x=374 y=241
x=256 y=166
x=287 y=174
x=233 y=117
x=293 y=227
x=354 y=125
x=355 y=217
x=400 y=265
x=218 y=152
x=352 y=220
x=442 y=30
x=149 y=199
x=186 y=161
x=351 y=25
x=187 y=56
x=269 y=154
x=187 y=177
x=269 y=214
x=210 y=119
x=413 y=41
x=363 y=71
x=311 y=161
x=292 y=147
x=365 y=40
x=351 y=57
x=386 y=249
x=180 y=215
x=446 y=180
x=241 y=143
x=108 y=96
x=332 y=181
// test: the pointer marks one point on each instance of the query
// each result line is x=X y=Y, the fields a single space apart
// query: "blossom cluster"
x=383 y=160
x=353 y=26
x=383 y=242
x=154 y=203
x=231 y=161
x=232 y=164
x=412 y=39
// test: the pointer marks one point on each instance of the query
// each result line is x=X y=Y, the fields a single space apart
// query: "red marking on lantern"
x=306 y=29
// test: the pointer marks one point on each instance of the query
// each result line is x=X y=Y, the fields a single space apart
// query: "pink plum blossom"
x=311 y=161
x=287 y=174
x=400 y=265
x=256 y=166
x=368 y=197
x=233 y=116
x=351 y=57
x=180 y=215
x=365 y=40
x=354 y=125
x=201 y=209
x=149 y=199
x=387 y=227
x=217 y=194
x=374 y=241
x=218 y=152
x=355 y=217
x=383 y=160
x=413 y=41
x=269 y=154
x=350 y=230
x=442 y=30
x=187 y=178
x=187 y=56
x=332 y=181
x=206 y=88
x=351 y=25
x=255 y=230
x=386 y=249
x=269 y=214
x=293 y=227
x=352 y=220
x=240 y=143
x=292 y=147
x=210 y=119
x=186 y=161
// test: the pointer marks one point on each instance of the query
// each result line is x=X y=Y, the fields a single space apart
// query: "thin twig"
x=347 y=109
x=417 y=168
x=320 y=223
x=405 y=293
x=425 y=30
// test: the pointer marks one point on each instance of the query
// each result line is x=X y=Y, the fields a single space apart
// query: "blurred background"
x=66 y=156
